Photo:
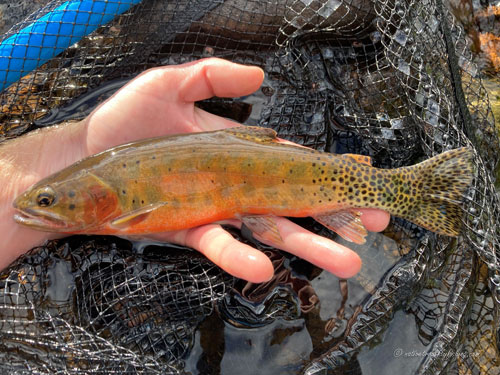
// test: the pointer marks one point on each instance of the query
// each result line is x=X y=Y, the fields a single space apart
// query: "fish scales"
x=184 y=181
x=230 y=178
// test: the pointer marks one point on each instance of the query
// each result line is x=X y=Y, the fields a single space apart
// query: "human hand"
x=161 y=101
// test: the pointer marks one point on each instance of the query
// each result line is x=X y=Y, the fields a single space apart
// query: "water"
x=286 y=343
x=276 y=336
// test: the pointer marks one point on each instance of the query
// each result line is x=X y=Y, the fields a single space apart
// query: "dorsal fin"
x=253 y=133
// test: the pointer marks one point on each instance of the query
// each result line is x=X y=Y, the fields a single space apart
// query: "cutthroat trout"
x=183 y=181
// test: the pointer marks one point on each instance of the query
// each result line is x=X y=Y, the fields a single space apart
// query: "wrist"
x=23 y=162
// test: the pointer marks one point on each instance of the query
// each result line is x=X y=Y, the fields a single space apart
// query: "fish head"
x=74 y=205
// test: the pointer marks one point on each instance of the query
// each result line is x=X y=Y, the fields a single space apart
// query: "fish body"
x=183 y=181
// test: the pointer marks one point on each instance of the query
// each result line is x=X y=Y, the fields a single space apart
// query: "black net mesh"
x=99 y=306
x=395 y=80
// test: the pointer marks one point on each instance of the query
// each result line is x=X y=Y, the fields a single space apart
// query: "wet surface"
x=336 y=80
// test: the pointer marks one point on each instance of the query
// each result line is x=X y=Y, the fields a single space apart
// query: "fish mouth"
x=40 y=220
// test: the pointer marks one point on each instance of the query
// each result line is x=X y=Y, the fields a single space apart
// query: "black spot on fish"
x=124 y=192
x=71 y=206
x=124 y=165
x=153 y=157
x=142 y=201
x=137 y=161
x=71 y=194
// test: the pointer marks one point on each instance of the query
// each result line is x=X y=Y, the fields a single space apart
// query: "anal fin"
x=346 y=224
x=263 y=226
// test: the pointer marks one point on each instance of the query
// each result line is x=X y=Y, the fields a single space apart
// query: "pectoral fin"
x=136 y=216
x=264 y=227
x=346 y=224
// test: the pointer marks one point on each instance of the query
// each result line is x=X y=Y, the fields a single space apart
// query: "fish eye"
x=46 y=197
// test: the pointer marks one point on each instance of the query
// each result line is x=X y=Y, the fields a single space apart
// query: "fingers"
x=374 y=220
x=206 y=121
x=220 y=247
x=247 y=263
x=197 y=80
x=217 y=77
x=322 y=252
x=317 y=250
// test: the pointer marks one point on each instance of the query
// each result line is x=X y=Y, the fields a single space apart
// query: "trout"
x=183 y=181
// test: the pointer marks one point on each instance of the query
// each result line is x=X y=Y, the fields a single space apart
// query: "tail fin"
x=444 y=179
